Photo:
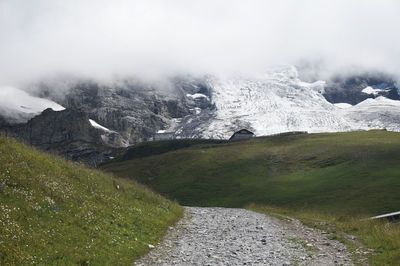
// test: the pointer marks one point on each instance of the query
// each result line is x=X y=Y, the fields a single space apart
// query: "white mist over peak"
x=16 y=103
x=103 y=39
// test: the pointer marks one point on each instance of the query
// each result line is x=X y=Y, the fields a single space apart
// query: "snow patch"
x=197 y=96
x=376 y=89
x=378 y=101
x=318 y=86
x=98 y=126
x=196 y=110
x=343 y=105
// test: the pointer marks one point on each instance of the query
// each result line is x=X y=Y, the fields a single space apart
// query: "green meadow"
x=356 y=172
x=331 y=178
x=54 y=212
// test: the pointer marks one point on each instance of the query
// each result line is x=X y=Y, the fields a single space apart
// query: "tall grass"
x=380 y=238
x=54 y=212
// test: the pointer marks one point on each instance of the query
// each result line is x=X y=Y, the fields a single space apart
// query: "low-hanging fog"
x=103 y=39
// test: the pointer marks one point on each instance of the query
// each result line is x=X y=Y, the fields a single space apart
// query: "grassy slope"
x=326 y=180
x=355 y=172
x=59 y=213
x=382 y=237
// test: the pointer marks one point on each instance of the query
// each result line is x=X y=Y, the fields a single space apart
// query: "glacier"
x=378 y=113
x=278 y=101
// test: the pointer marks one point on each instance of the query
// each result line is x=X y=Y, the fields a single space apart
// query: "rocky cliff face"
x=65 y=132
x=135 y=110
x=357 y=88
x=99 y=118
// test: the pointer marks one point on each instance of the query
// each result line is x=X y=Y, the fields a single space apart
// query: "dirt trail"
x=223 y=236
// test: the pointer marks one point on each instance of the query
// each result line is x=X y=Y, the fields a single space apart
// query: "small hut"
x=163 y=135
x=242 y=134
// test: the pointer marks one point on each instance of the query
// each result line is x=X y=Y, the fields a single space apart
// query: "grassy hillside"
x=59 y=213
x=355 y=172
x=329 y=181
x=159 y=147
x=380 y=239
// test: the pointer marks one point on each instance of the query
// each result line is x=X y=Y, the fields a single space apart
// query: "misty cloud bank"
x=104 y=39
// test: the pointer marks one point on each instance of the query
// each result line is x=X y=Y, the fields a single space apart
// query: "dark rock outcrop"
x=135 y=110
x=68 y=133
x=349 y=89
x=131 y=112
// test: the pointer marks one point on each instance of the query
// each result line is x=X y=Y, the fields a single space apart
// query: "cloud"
x=18 y=106
x=101 y=39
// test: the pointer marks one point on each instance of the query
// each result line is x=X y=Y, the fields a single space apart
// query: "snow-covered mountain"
x=127 y=112
x=278 y=101
x=378 y=113
x=356 y=88
x=274 y=102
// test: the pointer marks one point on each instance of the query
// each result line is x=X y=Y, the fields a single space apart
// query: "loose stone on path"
x=224 y=236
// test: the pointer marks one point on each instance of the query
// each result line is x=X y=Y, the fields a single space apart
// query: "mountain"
x=134 y=109
x=70 y=133
x=357 y=88
x=278 y=101
x=98 y=118
x=127 y=111
x=274 y=102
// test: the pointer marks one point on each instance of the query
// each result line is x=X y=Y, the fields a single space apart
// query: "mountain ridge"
x=210 y=107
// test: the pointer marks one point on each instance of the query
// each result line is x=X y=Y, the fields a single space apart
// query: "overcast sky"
x=149 y=38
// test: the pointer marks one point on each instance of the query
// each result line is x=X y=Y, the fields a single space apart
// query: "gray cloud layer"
x=150 y=38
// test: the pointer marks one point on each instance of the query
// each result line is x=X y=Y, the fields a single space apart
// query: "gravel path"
x=221 y=236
